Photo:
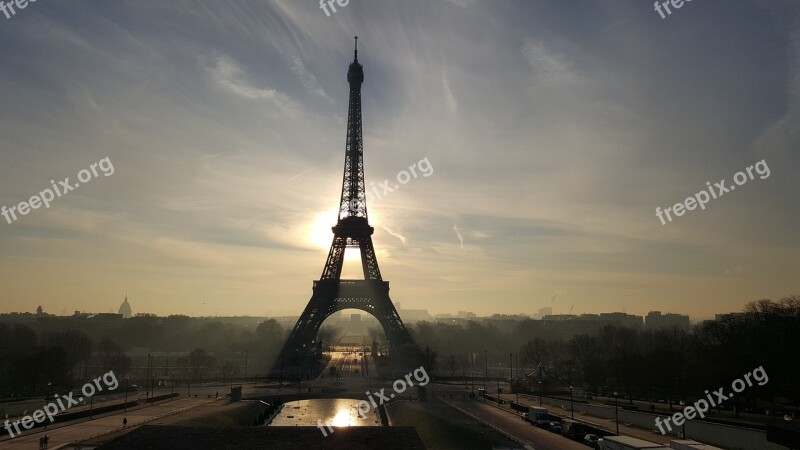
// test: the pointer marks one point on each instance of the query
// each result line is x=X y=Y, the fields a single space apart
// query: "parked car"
x=592 y=440
x=555 y=427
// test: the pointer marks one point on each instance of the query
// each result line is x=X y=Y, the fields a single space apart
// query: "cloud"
x=307 y=78
x=229 y=76
x=548 y=66
x=459 y=235
x=448 y=94
x=395 y=234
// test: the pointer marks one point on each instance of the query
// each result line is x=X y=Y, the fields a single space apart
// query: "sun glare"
x=342 y=419
x=319 y=233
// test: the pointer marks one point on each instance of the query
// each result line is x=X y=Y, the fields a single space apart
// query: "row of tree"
x=47 y=356
x=669 y=364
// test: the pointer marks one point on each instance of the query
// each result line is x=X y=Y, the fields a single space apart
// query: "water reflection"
x=337 y=412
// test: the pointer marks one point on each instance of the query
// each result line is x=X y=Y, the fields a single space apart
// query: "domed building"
x=125 y=308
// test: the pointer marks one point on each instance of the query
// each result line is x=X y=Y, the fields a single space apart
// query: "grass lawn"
x=442 y=427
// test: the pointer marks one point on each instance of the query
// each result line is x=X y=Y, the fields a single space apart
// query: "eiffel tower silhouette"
x=330 y=292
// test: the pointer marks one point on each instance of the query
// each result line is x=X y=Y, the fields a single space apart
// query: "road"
x=608 y=424
x=512 y=424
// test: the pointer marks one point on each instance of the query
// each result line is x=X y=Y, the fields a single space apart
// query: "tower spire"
x=356 y=51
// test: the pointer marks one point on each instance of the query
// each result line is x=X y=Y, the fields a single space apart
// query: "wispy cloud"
x=451 y=99
x=395 y=234
x=307 y=78
x=459 y=236
x=230 y=76
x=548 y=66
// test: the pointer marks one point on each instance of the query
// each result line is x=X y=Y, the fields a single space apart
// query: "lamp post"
x=498 y=384
x=245 y=366
x=149 y=384
x=541 y=391
x=616 y=409
x=486 y=369
x=511 y=379
x=571 y=407
x=125 y=386
x=683 y=427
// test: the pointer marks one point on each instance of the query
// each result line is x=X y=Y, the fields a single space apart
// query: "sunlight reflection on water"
x=337 y=412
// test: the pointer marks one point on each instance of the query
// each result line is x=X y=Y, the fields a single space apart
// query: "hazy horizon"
x=554 y=132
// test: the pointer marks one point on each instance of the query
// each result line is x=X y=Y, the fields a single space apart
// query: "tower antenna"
x=356 y=52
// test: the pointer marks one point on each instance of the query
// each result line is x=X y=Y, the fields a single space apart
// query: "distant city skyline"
x=555 y=132
x=408 y=315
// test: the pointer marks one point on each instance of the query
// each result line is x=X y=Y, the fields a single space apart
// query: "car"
x=592 y=440
x=555 y=427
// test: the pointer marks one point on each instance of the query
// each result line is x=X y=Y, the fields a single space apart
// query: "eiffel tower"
x=352 y=230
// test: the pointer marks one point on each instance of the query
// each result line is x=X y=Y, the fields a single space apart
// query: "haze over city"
x=553 y=133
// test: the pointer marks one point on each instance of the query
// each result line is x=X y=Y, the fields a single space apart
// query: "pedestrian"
x=41 y=443
x=124 y=422
x=46 y=439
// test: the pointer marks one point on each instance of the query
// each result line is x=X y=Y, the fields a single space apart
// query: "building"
x=655 y=320
x=125 y=309
x=414 y=315
x=623 y=319
x=547 y=311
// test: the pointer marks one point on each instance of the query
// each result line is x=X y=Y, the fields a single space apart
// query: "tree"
x=77 y=344
x=535 y=351
x=199 y=362
x=112 y=357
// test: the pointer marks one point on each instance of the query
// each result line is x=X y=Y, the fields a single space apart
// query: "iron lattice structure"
x=352 y=230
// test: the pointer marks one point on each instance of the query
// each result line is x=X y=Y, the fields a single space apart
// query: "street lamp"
x=498 y=384
x=683 y=427
x=541 y=391
x=125 y=386
x=511 y=374
x=616 y=409
x=486 y=369
x=245 y=365
x=571 y=407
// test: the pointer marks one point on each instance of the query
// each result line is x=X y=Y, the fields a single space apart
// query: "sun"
x=319 y=234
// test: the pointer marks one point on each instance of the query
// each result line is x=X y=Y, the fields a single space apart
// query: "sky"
x=553 y=130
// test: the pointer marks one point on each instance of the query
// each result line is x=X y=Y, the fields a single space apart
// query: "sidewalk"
x=81 y=431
